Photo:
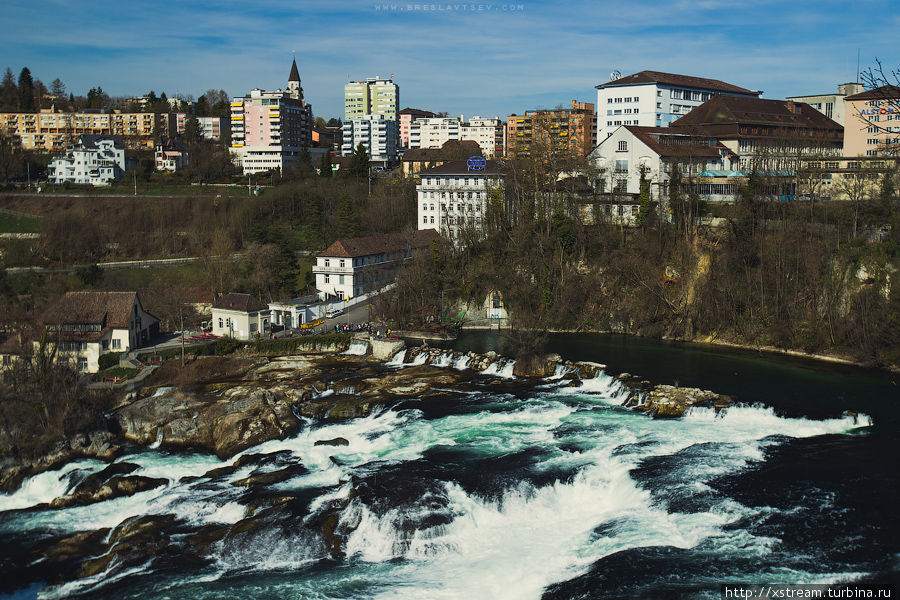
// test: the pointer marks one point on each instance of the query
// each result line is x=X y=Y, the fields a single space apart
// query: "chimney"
x=792 y=107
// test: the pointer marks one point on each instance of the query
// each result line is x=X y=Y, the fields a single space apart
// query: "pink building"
x=407 y=116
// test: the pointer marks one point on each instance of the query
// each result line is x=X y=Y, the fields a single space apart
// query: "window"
x=327 y=278
x=116 y=344
x=424 y=219
x=252 y=327
x=342 y=263
x=340 y=280
x=621 y=166
x=327 y=263
x=623 y=146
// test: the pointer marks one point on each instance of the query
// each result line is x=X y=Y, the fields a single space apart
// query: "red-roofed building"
x=85 y=325
x=355 y=266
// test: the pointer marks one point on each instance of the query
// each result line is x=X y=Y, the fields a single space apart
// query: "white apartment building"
x=95 y=159
x=453 y=196
x=487 y=132
x=269 y=130
x=655 y=99
x=433 y=132
x=832 y=105
x=355 y=266
x=377 y=134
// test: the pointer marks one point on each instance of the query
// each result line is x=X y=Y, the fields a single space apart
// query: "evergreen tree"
x=97 y=98
x=332 y=122
x=304 y=161
x=325 y=165
x=9 y=93
x=348 y=221
x=192 y=131
x=359 y=163
x=646 y=206
x=201 y=107
x=26 y=91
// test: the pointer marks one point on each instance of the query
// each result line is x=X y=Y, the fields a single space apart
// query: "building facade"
x=94 y=159
x=568 y=131
x=269 y=130
x=378 y=136
x=831 y=105
x=487 y=133
x=356 y=266
x=374 y=96
x=433 y=132
x=170 y=156
x=453 y=197
x=655 y=99
x=211 y=128
x=872 y=122
x=86 y=325
x=240 y=316
x=405 y=119
x=54 y=131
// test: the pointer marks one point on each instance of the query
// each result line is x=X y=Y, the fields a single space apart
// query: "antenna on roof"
x=857 y=65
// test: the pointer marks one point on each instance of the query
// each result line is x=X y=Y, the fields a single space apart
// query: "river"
x=520 y=490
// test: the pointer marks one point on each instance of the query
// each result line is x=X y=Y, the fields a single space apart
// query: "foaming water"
x=498 y=498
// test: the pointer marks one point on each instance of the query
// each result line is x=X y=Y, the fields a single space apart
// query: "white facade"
x=831 y=105
x=451 y=198
x=240 y=325
x=93 y=160
x=377 y=134
x=651 y=99
x=627 y=152
x=487 y=132
x=433 y=132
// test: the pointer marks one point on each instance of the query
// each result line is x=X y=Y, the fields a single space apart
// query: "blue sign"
x=476 y=163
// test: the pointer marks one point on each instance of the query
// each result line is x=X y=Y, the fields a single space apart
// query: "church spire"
x=293 y=86
x=295 y=74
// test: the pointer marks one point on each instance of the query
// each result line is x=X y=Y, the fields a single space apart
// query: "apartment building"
x=453 y=197
x=831 y=105
x=655 y=99
x=374 y=96
x=376 y=133
x=549 y=132
x=211 y=128
x=487 y=133
x=269 y=130
x=872 y=122
x=433 y=132
x=405 y=119
x=53 y=131
x=93 y=159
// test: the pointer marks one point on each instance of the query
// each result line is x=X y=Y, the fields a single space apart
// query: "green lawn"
x=13 y=223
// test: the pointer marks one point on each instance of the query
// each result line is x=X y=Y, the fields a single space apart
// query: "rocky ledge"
x=668 y=401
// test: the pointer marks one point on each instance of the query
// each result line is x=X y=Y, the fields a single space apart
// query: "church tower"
x=293 y=86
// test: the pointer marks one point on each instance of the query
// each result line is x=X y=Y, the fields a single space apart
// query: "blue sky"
x=486 y=58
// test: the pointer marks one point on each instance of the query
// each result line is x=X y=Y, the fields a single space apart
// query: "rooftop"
x=377 y=244
x=679 y=80
x=885 y=92
x=109 y=309
x=460 y=167
x=240 y=302
x=756 y=111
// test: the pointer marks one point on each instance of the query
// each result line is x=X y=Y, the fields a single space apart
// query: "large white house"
x=453 y=196
x=85 y=325
x=94 y=159
x=435 y=132
x=655 y=99
x=356 y=266
x=240 y=316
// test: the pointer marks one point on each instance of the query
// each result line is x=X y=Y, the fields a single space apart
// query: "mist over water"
x=517 y=490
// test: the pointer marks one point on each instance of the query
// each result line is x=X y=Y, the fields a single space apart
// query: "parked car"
x=334 y=312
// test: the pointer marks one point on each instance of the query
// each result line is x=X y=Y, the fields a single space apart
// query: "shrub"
x=110 y=359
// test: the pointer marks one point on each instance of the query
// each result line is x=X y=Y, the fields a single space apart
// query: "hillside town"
x=671 y=150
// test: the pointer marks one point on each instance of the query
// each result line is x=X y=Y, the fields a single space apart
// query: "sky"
x=470 y=58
